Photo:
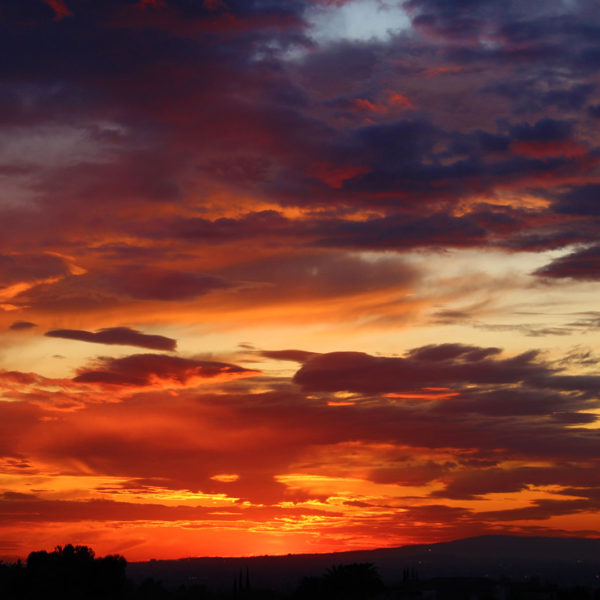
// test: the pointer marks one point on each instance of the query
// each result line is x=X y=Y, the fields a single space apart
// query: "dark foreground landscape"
x=479 y=568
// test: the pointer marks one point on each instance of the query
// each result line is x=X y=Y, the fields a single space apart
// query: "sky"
x=297 y=276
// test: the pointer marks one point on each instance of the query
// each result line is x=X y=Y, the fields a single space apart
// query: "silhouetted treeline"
x=358 y=581
x=74 y=573
x=69 y=573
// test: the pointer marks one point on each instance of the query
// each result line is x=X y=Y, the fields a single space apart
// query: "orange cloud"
x=366 y=105
x=397 y=100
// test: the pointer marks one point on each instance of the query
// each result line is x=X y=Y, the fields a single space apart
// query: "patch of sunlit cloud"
x=356 y=20
x=226 y=477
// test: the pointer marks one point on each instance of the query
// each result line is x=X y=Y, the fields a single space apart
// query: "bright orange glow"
x=426 y=395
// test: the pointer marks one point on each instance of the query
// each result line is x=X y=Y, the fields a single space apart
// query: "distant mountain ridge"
x=567 y=561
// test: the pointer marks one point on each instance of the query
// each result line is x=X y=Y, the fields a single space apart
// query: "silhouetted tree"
x=191 y=592
x=310 y=588
x=73 y=572
x=357 y=581
x=12 y=581
x=150 y=589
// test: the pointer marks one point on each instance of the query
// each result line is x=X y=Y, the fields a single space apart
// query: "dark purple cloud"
x=293 y=355
x=443 y=352
x=287 y=131
x=446 y=365
x=116 y=335
x=544 y=131
x=581 y=201
x=22 y=325
x=581 y=265
x=144 y=369
x=404 y=232
x=594 y=111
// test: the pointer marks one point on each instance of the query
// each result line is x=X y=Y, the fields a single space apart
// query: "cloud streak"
x=123 y=336
x=146 y=369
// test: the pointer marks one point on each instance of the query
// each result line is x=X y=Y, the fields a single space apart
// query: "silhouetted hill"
x=567 y=561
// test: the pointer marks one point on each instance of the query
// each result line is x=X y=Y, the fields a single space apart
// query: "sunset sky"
x=284 y=276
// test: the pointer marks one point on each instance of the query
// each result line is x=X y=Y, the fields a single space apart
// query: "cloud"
x=163 y=284
x=60 y=9
x=472 y=483
x=22 y=325
x=421 y=368
x=312 y=275
x=444 y=352
x=547 y=137
x=356 y=20
x=114 y=286
x=43 y=510
x=582 y=265
x=282 y=172
x=116 y=335
x=580 y=200
x=30 y=267
x=403 y=232
x=542 y=509
x=293 y=355
x=251 y=225
x=139 y=370
x=385 y=454
x=594 y=111
x=395 y=163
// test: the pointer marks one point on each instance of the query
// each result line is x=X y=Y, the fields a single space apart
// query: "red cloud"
x=214 y=5
x=551 y=148
x=436 y=71
x=59 y=8
x=335 y=176
x=398 y=100
x=148 y=369
x=363 y=104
